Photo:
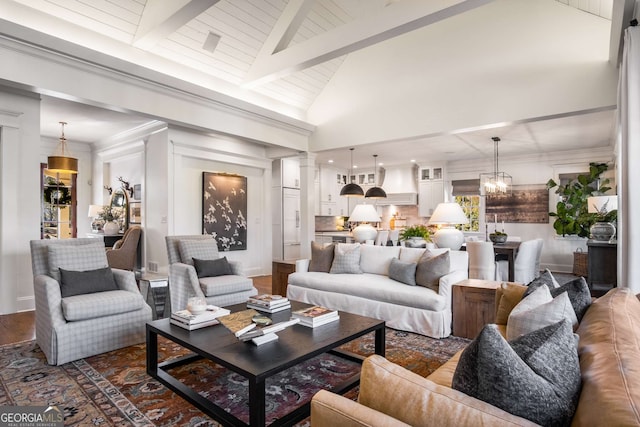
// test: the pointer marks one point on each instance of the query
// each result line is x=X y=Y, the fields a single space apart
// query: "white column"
x=307 y=203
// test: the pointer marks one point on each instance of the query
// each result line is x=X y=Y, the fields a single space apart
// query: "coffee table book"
x=315 y=316
x=271 y=310
x=187 y=318
x=191 y=327
x=268 y=301
x=239 y=322
x=267 y=334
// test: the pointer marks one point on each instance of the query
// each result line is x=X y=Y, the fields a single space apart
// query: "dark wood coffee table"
x=296 y=344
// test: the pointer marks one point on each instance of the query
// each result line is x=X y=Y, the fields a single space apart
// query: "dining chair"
x=524 y=265
x=394 y=235
x=382 y=237
x=538 y=255
x=482 y=260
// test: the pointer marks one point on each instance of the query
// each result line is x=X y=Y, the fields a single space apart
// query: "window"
x=466 y=193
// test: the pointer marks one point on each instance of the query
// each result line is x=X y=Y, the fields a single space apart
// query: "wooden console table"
x=473 y=306
x=280 y=271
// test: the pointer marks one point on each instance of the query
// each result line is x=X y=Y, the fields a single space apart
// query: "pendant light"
x=61 y=162
x=375 y=192
x=351 y=189
x=496 y=181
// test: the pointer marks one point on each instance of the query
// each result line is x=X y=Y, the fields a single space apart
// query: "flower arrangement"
x=109 y=213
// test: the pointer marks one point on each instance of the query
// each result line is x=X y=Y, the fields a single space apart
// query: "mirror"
x=120 y=201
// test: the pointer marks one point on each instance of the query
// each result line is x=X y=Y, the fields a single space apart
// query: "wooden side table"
x=280 y=271
x=473 y=306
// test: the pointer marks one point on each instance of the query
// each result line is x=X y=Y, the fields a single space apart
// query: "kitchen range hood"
x=401 y=185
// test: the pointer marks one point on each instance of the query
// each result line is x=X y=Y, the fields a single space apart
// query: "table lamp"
x=364 y=214
x=94 y=212
x=602 y=205
x=448 y=215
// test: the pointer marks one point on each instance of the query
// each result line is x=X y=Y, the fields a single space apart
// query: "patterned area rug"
x=113 y=389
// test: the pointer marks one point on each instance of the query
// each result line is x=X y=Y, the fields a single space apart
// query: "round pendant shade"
x=62 y=164
x=376 y=193
x=352 y=189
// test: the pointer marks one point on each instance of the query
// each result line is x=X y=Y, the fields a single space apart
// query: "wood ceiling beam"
x=394 y=20
x=160 y=18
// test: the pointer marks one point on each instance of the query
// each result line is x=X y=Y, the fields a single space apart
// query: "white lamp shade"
x=448 y=213
x=94 y=210
x=364 y=213
x=602 y=204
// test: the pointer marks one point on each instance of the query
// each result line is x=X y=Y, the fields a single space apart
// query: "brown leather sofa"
x=609 y=352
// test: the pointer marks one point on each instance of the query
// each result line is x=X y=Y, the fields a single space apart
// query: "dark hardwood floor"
x=20 y=327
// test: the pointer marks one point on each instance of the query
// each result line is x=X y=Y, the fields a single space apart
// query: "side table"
x=602 y=274
x=154 y=288
x=280 y=271
x=473 y=306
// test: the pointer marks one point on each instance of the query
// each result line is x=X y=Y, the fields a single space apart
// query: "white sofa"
x=372 y=293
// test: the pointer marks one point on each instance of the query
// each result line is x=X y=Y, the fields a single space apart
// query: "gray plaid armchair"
x=184 y=282
x=73 y=327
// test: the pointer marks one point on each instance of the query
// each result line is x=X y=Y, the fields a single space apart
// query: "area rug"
x=113 y=389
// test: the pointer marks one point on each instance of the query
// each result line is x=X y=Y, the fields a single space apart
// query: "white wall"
x=557 y=252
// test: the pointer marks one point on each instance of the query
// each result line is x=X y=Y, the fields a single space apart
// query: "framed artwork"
x=525 y=204
x=135 y=214
x=137 y=192
x=224 y=209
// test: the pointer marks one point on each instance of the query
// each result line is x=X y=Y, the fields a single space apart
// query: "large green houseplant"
x=419 y=231
x=572 y=211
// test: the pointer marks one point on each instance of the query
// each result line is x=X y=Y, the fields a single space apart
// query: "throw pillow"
x=404 y=272
x=539 y=310
x=321 y=257
x=512 y=294
x=346 y=259
x=431 y=268
x=546 y=278
x=86 y=282
x=536 y=376
x=578 y=290
x=201 y=249
x=76 y=257
x=212 y=267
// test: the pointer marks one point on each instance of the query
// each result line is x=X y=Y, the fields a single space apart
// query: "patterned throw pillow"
x=536 y=376
x=404 y=272
x=321 y=257
x=431 y=268
x=86 y=282
x=201 y=249
x=546 y=278
x=577 y=289
x=346 y=259
x=538 y=310
x=212 y=267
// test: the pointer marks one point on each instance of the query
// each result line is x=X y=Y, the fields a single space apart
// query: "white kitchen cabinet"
x=431 y=173
x=331 y=182
x=431 y=193
x=291 y=173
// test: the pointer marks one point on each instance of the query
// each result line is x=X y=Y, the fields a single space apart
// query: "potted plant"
x=416 y=236
x=572 y=211
x=498 y=237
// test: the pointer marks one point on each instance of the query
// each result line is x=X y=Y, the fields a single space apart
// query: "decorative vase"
x=498 y=238
x=110 y=228
x=602 y=231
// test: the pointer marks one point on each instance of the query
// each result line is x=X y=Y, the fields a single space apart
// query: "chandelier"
x=61 y=162
x=496 y=181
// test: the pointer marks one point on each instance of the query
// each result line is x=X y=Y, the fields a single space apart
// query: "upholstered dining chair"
x=196 y=269
x=482 y=260
x=524 y=266
x=83 y=307
x=124 y=253
x=381 y=238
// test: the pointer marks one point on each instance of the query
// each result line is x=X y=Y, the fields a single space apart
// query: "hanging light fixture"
x=351 y=189
x=375 y=192
x=61 y=162
x=496 y=181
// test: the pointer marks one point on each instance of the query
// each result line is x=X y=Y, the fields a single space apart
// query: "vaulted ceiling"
x=279 y=54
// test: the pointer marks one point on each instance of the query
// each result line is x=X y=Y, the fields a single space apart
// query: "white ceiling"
x=281 y=51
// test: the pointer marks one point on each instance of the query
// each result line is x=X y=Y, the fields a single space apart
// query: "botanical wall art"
x=224 y=209
x=525 y=204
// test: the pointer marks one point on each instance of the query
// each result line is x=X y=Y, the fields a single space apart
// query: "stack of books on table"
x=185 y=319
x=268 y=303
x=315 y=316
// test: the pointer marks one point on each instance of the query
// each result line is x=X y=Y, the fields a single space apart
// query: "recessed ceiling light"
x=413 y=160
x=330 y=160
x=355 y=166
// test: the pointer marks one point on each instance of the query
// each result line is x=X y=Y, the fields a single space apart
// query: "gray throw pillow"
x=76 y=258
x=86 y=282
x=578 y=290
x=212 y=267
x=402 y=271
x=197 y=248
x=536 y=376
x=346 y=259
x=546 y=278
x=431 y=268
x=321 y=257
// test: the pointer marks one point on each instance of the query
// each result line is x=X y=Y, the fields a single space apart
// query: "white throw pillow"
x=377 y=259
x=538 y=310
x=346 y=259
